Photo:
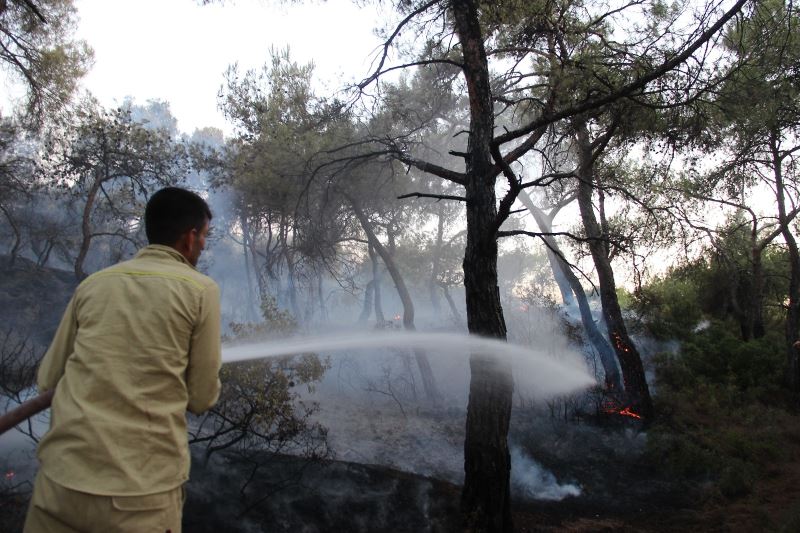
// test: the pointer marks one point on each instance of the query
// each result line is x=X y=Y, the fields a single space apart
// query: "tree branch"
x=625 y=90
x=436 y=196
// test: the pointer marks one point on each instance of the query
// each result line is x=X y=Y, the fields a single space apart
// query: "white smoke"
x=532 y=480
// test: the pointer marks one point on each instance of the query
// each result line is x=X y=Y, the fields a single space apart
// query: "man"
x=138 y=346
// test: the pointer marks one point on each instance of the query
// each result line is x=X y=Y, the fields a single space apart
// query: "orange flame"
x=627 y=412
x=611 y=407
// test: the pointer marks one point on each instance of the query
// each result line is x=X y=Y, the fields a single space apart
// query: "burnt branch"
x=437 y=197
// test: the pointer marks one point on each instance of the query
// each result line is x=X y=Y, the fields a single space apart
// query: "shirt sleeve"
x=205 y=354
x=54 y=361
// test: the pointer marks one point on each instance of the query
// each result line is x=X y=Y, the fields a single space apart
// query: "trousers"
x=57 y=509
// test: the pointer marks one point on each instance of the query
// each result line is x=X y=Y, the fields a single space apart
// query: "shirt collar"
x=160 y=250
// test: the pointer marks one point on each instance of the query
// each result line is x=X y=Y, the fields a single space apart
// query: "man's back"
x=138 y=345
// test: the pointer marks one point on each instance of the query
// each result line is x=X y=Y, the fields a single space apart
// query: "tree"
x=37 y=48
x=280 y=125
x=17 y=169
x=561 y=267
x=112 y=163
x=526 y=32
x=759 y=109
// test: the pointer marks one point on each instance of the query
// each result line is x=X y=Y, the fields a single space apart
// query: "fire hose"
x=25 y=410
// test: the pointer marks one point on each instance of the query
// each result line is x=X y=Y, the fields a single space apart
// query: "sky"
x=178 y=50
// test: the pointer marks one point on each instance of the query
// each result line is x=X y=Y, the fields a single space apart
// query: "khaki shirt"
x=138 y=345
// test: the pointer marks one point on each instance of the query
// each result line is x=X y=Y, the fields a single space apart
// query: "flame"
x=398 y=317
x=619 y=343
x=611 y=407
x=627 y=412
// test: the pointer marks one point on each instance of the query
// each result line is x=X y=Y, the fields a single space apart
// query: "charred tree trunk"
x=604 y=349
x=486 y=495
x=636 y=388
x=428 y=381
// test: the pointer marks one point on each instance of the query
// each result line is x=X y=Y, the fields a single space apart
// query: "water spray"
x=553 y=376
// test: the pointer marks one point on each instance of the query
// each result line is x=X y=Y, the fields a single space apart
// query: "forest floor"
x=637 y=496
x=617 y=495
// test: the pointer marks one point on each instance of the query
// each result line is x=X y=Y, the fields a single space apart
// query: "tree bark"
x=636 y=388
x=486 y=495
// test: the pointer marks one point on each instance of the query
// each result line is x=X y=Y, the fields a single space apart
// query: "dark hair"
x=171 y=212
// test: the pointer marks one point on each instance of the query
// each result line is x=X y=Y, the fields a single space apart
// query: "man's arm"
x=54 y=361
x=205 y=354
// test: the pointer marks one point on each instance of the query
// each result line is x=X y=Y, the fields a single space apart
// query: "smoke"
x=531 y=480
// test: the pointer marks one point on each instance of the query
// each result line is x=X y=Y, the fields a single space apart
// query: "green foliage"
x=717 y=356
x=721 y=419
x=260 y=407
x=38 y=49
x=724 y=284
x=670 y=305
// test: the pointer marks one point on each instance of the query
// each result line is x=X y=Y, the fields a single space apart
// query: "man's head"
x=178 y=218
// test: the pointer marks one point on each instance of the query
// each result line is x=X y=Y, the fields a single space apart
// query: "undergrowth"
x=724 y=421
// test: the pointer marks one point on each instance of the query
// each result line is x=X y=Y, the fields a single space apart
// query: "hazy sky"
x=177 y=50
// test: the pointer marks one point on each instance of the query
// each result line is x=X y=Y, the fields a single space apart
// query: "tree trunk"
x=604 y=349
x=291 y=286
x=452 y=304
x=251 y=313
x=636 y=388
x=793 y=313
x=86 y=226
x=366 y=308
x=792 y=326
x=323 y=308
x=17 y=238
x=757 y=297
x=380 y=319
x=567 y=297
x=428 y=381
x=486 y=495
x=433 y=283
